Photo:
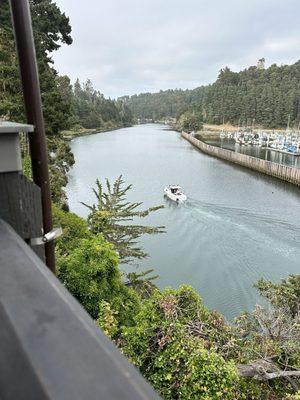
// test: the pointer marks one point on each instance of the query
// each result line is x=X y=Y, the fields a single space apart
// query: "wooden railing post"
x=20 y=199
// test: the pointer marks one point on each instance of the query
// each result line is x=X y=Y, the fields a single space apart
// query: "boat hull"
x=175 y=197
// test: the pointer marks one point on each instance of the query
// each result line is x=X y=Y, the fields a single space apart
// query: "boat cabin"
x=175 y=189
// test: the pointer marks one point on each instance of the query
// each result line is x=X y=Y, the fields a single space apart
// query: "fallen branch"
x=282 y=374
x=263 y=370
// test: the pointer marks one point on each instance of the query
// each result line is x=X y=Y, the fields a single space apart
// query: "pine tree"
x=112 y=216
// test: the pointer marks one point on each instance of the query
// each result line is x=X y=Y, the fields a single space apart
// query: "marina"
x=262 y=151
x=287 y=142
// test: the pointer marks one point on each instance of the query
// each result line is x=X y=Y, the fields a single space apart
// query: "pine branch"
x=113 y=216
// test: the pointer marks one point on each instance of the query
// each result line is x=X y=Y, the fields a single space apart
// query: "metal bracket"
x=48 y=237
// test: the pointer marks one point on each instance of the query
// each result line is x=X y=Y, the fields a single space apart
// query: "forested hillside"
x=266 y=97
x=164 y=104
x=91 y=110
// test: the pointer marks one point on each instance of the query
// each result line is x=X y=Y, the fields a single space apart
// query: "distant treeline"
x=90 y=109
x=266 y=97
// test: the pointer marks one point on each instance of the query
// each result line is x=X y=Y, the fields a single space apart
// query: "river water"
x=236 y=227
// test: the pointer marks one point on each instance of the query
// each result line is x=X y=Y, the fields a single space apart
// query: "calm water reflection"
x=236 y=227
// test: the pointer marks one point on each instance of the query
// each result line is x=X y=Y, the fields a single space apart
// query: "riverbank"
x=204 y=134
x=207 y=135
x=212 y=132
x=234 y=128
x=283 y=172
x=73 y=133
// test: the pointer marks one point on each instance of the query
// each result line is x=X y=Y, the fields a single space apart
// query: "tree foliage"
x=74 y=229
x=92 y=275
x=271 y=336
x=284 y=294
x=190 y=121
x=88 y=267
x=51 y=28
x=187 y=351
x=92 y=110
x=142 y=282
x=168 y=103
x=255 y=95
x=112 y=216
x=178 y=364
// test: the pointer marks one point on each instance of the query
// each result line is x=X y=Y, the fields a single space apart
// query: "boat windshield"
x=176 y=190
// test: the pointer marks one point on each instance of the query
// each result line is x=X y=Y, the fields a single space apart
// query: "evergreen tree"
x=112 y=216
x=191 y=121
x=91 y=110
x=51 y=28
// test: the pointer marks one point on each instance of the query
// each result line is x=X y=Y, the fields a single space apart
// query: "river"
x=236 y=227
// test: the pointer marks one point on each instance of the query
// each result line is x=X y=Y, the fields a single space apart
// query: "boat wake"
x=246 y=225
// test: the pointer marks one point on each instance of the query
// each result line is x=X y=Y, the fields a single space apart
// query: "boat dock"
x=290 y=153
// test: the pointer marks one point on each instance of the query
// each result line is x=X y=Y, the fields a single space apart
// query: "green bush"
x=89 y=267
x=175 y=362
x=91 y=274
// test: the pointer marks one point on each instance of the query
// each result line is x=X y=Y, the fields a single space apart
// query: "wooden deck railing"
x=49 y=346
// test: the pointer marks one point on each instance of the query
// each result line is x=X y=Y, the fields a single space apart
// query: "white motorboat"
x=175 y=193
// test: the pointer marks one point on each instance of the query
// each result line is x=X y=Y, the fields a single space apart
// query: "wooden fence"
x=284 y=172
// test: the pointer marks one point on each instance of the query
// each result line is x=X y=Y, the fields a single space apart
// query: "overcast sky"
x=133 y=46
